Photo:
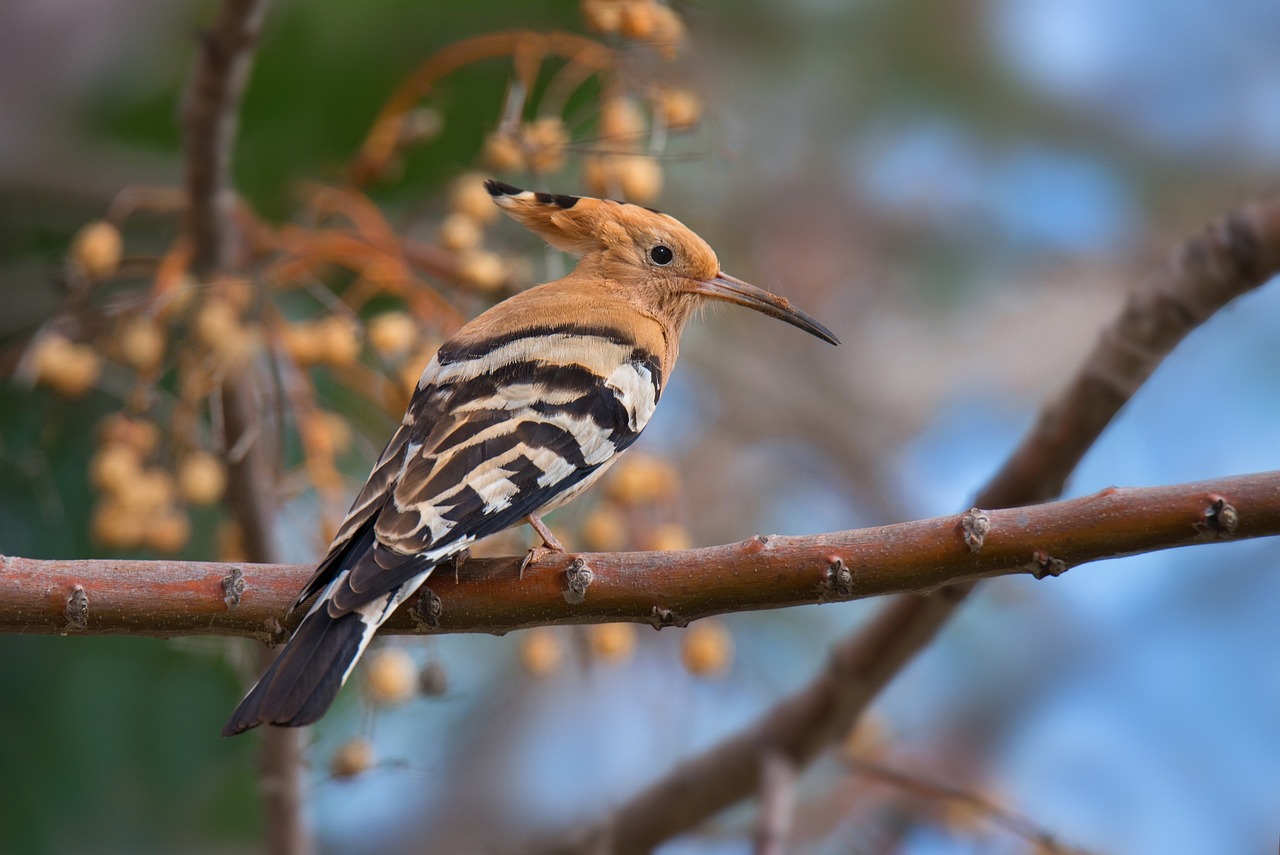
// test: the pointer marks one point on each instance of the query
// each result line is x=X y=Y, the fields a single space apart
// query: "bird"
x=517 y=413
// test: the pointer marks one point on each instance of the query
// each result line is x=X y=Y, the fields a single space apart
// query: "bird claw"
x=537 y=554
x=457 y=561
x=550 y=545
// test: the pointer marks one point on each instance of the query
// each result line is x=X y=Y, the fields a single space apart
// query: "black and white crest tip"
x=501 y=188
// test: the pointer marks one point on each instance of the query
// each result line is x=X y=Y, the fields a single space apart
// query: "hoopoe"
x=516 y=414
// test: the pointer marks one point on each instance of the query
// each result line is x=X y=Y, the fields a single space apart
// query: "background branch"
x=210 y=120
x=662 y=588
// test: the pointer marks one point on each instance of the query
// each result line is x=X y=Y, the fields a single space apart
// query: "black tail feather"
x=306 y=676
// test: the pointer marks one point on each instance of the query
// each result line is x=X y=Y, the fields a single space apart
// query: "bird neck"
x=636 y=302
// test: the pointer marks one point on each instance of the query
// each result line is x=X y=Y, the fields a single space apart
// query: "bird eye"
x=661 y=254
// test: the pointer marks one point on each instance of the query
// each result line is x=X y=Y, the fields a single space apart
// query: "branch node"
x=975 y=526
x=755 y=543
x=233 y=587
x=1220 y=518
x=427 y=609
x=276 y=633
x=1044 y=565
x=662 y=617
x=838 y=581
x=77 y=609
x=579 y=576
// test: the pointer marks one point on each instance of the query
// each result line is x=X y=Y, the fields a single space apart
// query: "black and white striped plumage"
x=516 y=414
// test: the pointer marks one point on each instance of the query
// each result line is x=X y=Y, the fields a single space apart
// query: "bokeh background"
x=964 y=191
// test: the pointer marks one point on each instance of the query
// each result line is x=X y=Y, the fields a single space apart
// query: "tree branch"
x=210 y=117
x=195 y=598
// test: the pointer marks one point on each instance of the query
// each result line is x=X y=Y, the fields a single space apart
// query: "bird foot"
x=550 y=544
x=537 y=554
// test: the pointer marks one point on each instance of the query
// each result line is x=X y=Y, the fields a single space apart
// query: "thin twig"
x=997 y=814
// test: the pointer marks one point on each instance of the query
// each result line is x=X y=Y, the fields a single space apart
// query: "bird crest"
x=622 y=232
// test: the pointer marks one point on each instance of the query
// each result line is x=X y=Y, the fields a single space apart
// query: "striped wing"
x=496 y=431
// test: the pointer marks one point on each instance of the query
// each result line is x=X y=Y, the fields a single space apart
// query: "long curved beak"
x=734 y=290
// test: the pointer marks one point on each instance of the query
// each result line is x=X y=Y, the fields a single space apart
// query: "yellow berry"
x=48 y=352
x=544 y=141
x=202 y=479
x=65 y=366
x=80 y=369
x=391 y=677
x=391 y=334
x=340 y=344
x=139 y=434
x=637 y=19
x=115 y=526
x=150 y=490
x=460 y=232
x=195 y=379
x=668 y=31
x=707 y=648
x=483 y=270
x=142 y=344
x=304 y=343
x=668 y=537
x=215 y=320
x=541 y=650
x=177 y=292
x=502 y=153
x=169 y=531
x=604 y=529
x=602 y=16
x=612 y=642
x=96 y=249
x=642 y=478
x=468 y=196
x=236 y=349
x=640 y=178
x=113 y=466
x=635 y=177
x=680 y=108
x=326 y=434
x=597 y=176
x=621 y=119
x=353 y=757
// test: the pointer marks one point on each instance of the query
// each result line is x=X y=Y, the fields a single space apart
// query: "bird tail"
x=305 y=678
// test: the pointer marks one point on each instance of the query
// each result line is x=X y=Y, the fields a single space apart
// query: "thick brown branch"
x=1238 y=253
x=193 y=598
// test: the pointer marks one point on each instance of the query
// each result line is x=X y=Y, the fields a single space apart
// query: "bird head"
x=660 y=261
